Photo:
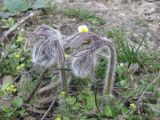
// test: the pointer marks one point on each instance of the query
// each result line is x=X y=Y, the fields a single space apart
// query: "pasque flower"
x=83 y=28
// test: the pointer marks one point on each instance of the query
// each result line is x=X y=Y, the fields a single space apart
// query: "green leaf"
x=108 y=111
x=1 y=92
x=122 y=83
x=17 y=102
x=16 y=5
x=22 y=113
x=155 y=108
x=6 y=83
x=40 y=4
x=6 y=109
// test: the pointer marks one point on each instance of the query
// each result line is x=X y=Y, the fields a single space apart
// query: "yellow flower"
x=63 y=93
x=11 y=89
x=66 y=55
x=20 y=67
x=133 y=106
x=17 y=55
x=58 y=118
x=11 y=86
x=20 y=38
x=14 y=90
x=83 y=28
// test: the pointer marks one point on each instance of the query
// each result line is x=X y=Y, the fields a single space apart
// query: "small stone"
x=115 y=8
x=122 y=14
x=149 y=34
x=150 y=0
x=149 y=10
x=59 y=1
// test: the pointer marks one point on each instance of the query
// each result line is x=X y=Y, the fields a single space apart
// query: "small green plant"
x=75 y=107
x=14 y=59
x=101 y=68
x=11 y=113
x=84 y=15
x=126 y=52
x=150 y=60
x=8 y=22
x=123 y=75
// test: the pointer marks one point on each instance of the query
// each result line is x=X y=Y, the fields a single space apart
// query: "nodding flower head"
x=89 y=48
x=42 y=33
x=47 y=47
x=83 y=59
x=82 y=65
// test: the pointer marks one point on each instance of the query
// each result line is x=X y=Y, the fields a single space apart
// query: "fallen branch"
x=19 y=23
x=139 y=101
x=45 y=100
x=141 y=97
x=51 y=105
x=31 y=109
x=48 y=87
x=37 y=86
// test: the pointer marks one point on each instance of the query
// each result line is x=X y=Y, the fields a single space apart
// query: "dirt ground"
x=138 y=18
x=135 y=16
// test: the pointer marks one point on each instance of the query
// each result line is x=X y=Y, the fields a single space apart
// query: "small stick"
x=51 y=105
x=15 y=26
x=140 y=98
x=50 y=86
x=37 y=86
x=138 y=102
x=31 y=109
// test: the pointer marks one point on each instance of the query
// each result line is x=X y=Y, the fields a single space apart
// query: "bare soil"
x=135 y=16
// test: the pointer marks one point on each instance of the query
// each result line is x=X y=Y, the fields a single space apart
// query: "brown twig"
x=141 y=97
x=139 y=101
x=51 y=105
x=45 y=100
x=48 y=87
x=31 y=109
x=37 y=86
x=19 y=23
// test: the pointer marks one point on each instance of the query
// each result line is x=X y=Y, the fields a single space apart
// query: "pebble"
x=149 y=34
x=150 y=0
x=122 y=14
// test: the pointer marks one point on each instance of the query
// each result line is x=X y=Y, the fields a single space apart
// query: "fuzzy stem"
x=62 y=76
x=64 y=81
x=109 y=80
x=96 y=100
